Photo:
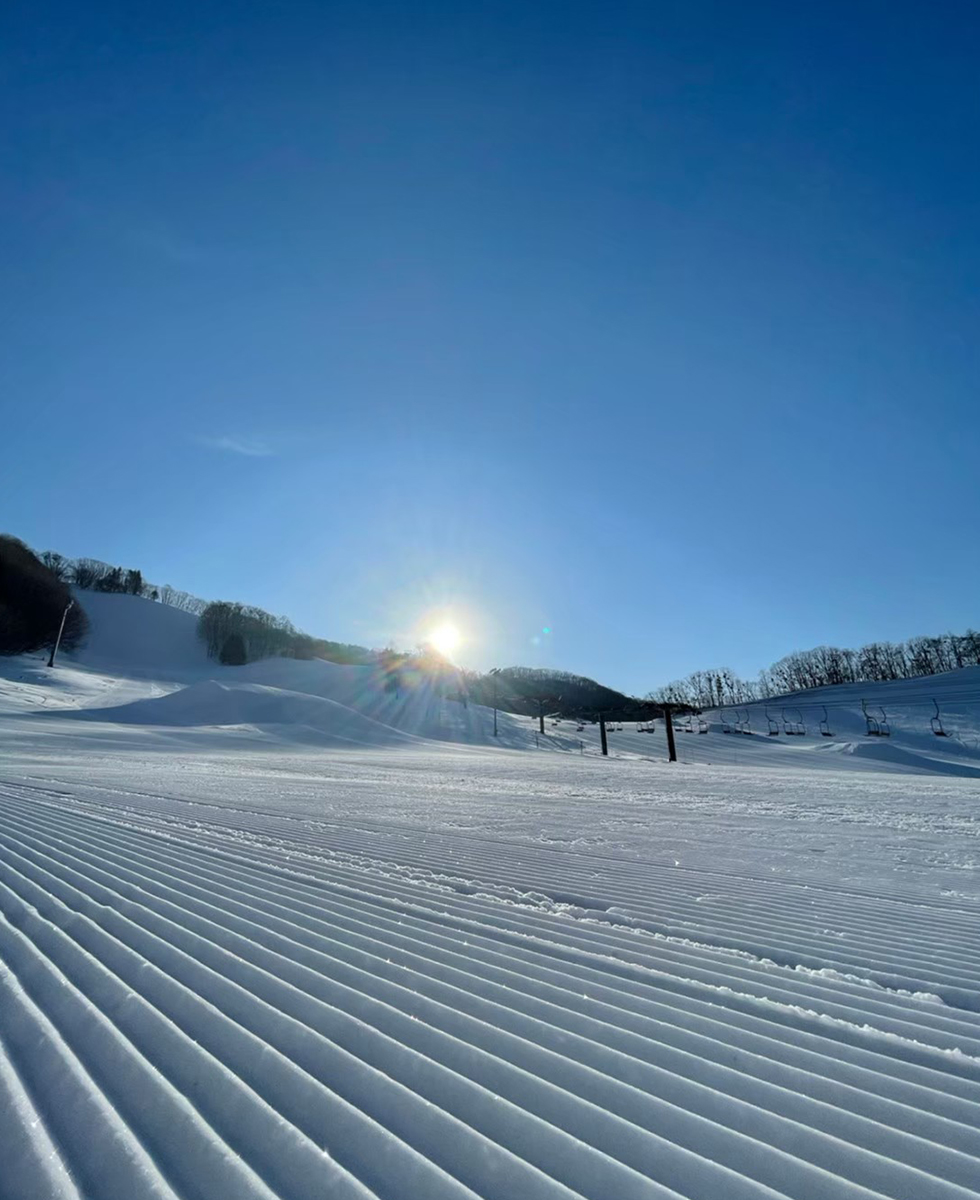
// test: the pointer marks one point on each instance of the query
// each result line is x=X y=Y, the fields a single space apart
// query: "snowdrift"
x=216 y=704
x=898 y=756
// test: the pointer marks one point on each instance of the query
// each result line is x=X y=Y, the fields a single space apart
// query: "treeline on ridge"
x=93 y=575
x=235 y=634
x=826 y=666
x=522 y=689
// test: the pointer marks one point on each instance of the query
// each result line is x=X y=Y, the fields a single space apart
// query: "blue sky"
x=656 y=325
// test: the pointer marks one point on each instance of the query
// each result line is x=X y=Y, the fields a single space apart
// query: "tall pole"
x=669 y=724
x=494 y=673
x=602 y=734
x=61 y=630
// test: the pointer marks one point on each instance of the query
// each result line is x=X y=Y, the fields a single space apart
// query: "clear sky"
x=655 y=325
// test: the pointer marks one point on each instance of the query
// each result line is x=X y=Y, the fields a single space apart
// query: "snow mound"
x=886 y=752
x=211 y=703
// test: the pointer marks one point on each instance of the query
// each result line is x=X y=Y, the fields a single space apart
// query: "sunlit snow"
x=273 y=931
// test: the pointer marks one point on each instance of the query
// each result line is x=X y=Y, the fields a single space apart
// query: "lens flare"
x=445 y=638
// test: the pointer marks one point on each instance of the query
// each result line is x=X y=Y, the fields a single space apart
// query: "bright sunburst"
x=445 y=638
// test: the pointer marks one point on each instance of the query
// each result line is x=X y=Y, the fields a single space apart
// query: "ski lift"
x=726 y=724
x=793 y=728
x=936 y=722
x=825 y=724
x=702 y=723
x=745 y=725
x=688 y=726
x=877 y=726
x=579 y=728
x=773 y=724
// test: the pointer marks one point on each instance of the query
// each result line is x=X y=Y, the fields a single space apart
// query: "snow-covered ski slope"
x=144 y=666
x=370 y=955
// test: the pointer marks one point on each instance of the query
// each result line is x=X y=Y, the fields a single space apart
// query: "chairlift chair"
x=877 y=726
x=793 y=728
x=745 y=725
x=825 y=724
x=936 y=722
x=702 y=723
x=726 y=724
x=688 y=726
x=773 y=724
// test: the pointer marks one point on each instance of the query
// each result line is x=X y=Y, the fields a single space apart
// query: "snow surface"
x=271 y=932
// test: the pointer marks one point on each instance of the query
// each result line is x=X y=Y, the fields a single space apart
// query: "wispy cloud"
x=157 y=238
x=250 y=447
x=145 y=233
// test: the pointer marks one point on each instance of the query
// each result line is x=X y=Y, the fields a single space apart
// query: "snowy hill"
x=144 y=667
x=130 y=635
x=827 y=729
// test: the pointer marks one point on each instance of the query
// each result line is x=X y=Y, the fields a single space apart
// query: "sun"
x=445 y=638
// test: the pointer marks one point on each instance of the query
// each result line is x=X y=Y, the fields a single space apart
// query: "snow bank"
x=214 y=704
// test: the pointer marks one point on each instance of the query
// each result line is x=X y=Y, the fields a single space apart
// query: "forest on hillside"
x=826 y=666
x=528 y=690
x=33 y=603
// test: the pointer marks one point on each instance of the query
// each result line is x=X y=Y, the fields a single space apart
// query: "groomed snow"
x=369 y=955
